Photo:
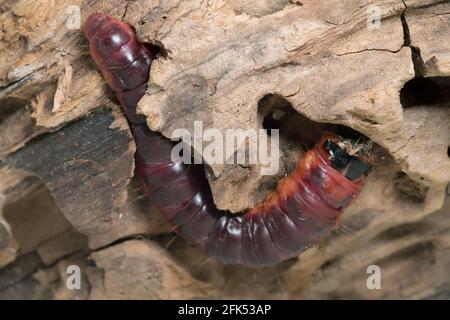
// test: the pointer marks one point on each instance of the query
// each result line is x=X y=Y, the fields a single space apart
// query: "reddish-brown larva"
x=304 y=206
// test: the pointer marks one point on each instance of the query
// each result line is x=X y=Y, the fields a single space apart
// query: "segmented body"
x=304 y=206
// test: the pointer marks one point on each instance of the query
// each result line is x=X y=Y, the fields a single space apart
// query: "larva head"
x=346 y=156
x=106 y=35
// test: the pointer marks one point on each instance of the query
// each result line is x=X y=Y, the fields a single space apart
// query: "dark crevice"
x=276 y=112
x=416 y=56
x=9 y=87
x=155 y=47
x=368 y=50
x=422 y=254
x=10 y=106
x=419 y=64
x=67 y=256
x=119 y=241
x=409 y=189
x=404 y=230
x=16 y=123
x=406 y=32
x=425 y=91
x=125 y=11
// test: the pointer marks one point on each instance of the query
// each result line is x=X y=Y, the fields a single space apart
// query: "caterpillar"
x=303 y=208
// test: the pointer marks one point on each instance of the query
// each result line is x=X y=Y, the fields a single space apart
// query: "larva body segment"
x=123 y=61
x=304 y=206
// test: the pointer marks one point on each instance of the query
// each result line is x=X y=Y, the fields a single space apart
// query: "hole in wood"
x=298 y=134
x=409 y=189
x=33 y=215
x=425 y=91
x=16 y=123
x=276 y=112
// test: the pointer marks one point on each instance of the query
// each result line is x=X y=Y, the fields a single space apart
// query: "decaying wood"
x=67 y=191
